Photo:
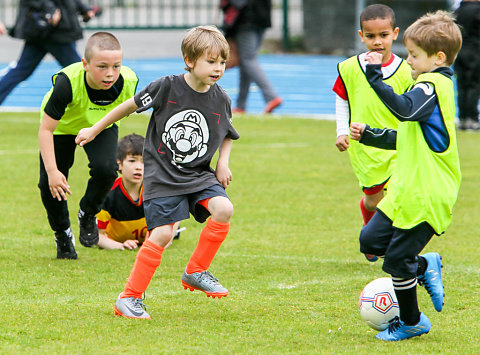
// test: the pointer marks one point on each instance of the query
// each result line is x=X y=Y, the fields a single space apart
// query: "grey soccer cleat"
x=204 y=281
x=131 y=308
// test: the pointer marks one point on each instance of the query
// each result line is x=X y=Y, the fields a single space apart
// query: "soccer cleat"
x=204 y=281
x=130 y=307
x=432 y=280
x=88 y=229
x=372 y=258
x=398 y=330
x=177 y=233
x=273 y=104
x=65 y=245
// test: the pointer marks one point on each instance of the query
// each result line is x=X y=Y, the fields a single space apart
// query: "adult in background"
x=245 y=22
x=47 y=26
x=467 y=65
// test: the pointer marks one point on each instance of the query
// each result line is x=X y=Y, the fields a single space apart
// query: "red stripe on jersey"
x=339 y=88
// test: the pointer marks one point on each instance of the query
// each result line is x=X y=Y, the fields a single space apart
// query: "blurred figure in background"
x=467 y=65
x=245 y=22
x=47 y=26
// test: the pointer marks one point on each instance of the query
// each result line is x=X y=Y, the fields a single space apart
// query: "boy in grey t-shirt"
x=191 y=120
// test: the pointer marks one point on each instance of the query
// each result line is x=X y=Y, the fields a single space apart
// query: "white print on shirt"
x=146 y=99
x=186 y=135
x=426 y=87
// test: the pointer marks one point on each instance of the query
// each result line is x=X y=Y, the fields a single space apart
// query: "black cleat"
x=88 y=229
x=65 y=245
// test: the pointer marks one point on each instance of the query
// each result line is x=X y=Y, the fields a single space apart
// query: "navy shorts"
x=400 y=247
x=161 y=211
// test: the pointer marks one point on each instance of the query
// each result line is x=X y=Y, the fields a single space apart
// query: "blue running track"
x=303 y=81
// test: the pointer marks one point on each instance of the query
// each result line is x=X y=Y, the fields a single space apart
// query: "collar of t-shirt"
x=105 y=97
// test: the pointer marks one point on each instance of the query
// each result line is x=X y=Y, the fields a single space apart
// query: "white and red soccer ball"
x=378 y=303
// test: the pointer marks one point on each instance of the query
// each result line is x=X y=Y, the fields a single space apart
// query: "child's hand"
x=85 y=136
x=224 y=175
x=130 y=244
x=58 y=185
x=356 y=130
x=342 y=143
x=374 y=58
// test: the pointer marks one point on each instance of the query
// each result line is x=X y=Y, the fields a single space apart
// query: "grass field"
x=291 y=260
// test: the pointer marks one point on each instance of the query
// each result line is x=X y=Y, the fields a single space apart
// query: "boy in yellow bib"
x=82 y=94
x=356 y=102
x=426 y=179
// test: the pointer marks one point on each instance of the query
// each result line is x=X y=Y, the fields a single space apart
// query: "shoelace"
x=423 y=282
x=139 y=305
x=208 y=275
x=394 y=324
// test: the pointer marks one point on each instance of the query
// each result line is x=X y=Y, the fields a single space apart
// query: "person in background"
x=467 y=65
x=47 y=26
x=245 y=22
x=356 y=102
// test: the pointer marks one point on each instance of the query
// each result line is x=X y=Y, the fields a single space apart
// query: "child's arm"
x=223 y=173
x=417 y=104
x=56 y=180
x=380 y=138
x=86 y=135
x=105 y=242
x=342 y=116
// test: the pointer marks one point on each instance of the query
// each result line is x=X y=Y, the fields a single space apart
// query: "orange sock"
x=366 y=214
x=148 y=259
x=211 y=237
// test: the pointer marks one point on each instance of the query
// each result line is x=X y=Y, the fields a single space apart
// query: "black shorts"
x=161 y=211
x=400 y=247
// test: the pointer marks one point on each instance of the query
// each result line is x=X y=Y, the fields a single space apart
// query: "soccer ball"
x=378 y=303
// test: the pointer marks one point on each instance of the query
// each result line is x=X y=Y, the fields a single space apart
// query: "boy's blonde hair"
x=203 y=39
x=436 y=32
x=103 y=41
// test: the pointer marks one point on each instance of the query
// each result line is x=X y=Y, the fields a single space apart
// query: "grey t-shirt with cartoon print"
x=185 y=130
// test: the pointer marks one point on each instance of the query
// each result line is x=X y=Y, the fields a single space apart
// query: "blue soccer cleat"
x=397 y=330
x=432 y=280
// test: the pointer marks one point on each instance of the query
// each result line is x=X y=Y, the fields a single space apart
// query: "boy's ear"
x=360 y=33
x=396 y=30
x=119 y=163
x=441 y=59
x=85 y=63
x=190 y=64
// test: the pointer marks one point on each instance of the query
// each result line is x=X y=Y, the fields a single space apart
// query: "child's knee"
x=221 y=209
x=368 y=243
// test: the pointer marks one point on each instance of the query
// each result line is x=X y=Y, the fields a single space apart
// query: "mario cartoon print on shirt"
x=186 y=135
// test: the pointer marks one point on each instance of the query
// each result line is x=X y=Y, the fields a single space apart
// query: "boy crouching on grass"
x=121 y=221
x=425 y=182
x=191 y=119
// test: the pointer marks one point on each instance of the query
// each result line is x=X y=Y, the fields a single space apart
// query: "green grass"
x=291 y=260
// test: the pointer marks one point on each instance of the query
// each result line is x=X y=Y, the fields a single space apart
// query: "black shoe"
x=177 y=234
x=65 y=245
x=88 y=229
